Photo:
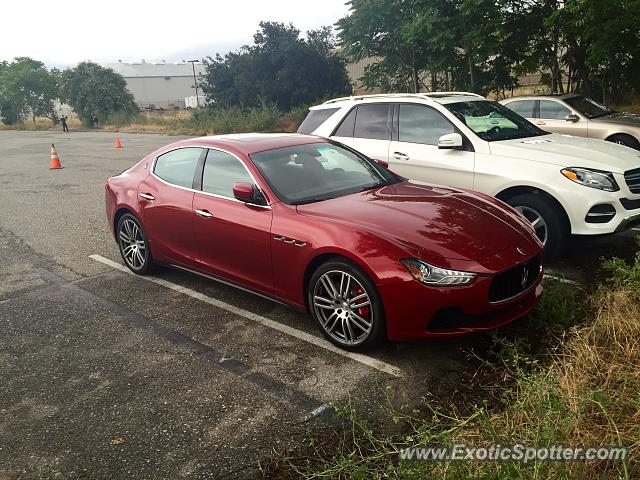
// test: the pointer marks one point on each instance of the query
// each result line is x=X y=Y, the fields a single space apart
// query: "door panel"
x=415 y=154
x=233 y=238
x=167 y=208
x=366 y=129
x=235 y=241
x=552 y=118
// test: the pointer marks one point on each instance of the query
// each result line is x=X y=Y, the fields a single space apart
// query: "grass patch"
x=209 y=121
x=580 y=386
x=206 y=121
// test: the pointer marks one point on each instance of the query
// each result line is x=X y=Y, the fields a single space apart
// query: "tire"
x=553 y=230
x=626 y=140
x=356 y=329
x=133 y=245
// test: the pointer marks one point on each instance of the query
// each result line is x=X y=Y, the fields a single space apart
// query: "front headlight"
x=592 y=178
x=436 y=276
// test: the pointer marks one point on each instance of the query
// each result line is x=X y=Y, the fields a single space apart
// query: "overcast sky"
x=65 y=32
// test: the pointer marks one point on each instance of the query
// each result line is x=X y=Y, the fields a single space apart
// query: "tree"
x=279 y=68
x=92 y=90
x=428 y=44
x=387 y=30
x=26 y=88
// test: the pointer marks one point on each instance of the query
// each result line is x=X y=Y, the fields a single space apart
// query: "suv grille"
x=511 y=283
x=632 y=177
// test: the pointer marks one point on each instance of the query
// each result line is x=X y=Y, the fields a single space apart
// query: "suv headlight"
x=592 y=178
x=436 y=276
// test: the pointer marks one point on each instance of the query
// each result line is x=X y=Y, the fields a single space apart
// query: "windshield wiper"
x=375 y=185
x=311 y=200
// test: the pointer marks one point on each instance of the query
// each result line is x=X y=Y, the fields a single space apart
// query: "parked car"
x=316 y=225
x=574 y=114
x=563 y=185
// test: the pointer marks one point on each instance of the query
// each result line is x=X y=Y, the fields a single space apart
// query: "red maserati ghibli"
x=314 y=224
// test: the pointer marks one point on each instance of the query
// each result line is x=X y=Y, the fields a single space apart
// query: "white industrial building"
x=160 y=85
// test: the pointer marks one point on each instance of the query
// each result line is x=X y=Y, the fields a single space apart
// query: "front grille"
x=512 y=282
x=632 y=177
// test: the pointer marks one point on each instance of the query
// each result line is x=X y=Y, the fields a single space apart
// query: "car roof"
x=248 y=143
x=428 y=97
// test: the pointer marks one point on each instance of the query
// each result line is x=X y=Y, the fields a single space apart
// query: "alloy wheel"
x=132 y=244
x=537 y=222
x=343 y=307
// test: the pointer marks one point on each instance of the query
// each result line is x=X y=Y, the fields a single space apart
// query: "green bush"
x=216 y=120
x=623 y=274
x=123 y=118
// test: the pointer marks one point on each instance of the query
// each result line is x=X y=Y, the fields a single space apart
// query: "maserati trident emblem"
x=525 y=277
x=521 y=251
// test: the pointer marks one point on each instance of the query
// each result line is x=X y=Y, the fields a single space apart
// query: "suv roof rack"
x=450 y=94
x=406 y=95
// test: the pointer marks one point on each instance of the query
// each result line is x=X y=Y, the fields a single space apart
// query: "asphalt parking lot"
x=105 y=374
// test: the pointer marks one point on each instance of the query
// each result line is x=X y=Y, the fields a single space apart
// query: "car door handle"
x=540 y=122
x=204 y=213
x=148 y=196
x=400 y=156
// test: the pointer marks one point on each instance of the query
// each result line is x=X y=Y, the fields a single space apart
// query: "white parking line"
x=636 y=229
x=563 y=280
x=267 y=322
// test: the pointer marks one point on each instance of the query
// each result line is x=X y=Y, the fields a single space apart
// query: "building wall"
x=159 y=85
x=160 y=92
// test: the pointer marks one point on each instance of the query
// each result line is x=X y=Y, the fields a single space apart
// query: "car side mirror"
x=572 y=117
x=245 y=192
x=450 y=141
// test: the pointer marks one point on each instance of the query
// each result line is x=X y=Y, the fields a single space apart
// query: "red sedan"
x=316 y=225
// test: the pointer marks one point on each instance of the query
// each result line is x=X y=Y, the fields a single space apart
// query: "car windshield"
x=587 y=107
x=318 y=171
x=493 y=122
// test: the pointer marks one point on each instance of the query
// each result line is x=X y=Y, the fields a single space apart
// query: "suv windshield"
x=492 y=122
x=587 y=107
x=319 y=171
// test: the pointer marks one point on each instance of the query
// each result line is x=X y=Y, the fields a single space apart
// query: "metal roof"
x=146 y=69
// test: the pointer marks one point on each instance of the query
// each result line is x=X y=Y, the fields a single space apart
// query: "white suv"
x=562 y=184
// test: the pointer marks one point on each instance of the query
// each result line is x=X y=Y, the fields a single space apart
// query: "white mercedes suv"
x=562 y=184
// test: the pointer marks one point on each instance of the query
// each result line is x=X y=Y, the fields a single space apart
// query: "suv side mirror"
x=572 y=117
x=245 y=192
x=450 y=141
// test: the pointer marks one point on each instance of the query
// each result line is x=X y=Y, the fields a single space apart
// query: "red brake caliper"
x=362 y=311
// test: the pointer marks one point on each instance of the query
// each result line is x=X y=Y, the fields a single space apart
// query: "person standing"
x=63 y=121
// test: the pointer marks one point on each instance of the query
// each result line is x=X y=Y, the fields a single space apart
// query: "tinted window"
x=553 y=110
x=420 y=124
x=522 y=107
x=315 y=118
x=346 y=127
x=221 y=171
x=178 y=166
x=318 y=171
x=588 y=107
x=371 y=121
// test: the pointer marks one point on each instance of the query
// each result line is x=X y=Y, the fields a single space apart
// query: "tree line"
x=29 y=89
x=483 y=46
x=591 y=46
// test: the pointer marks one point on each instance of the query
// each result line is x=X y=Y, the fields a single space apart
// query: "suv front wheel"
x=549 y=225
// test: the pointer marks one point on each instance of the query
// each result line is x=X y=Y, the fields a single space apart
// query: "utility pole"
x=195 y=81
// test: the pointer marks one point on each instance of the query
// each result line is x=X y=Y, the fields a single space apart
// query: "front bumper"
x=416 y=311
x=588 y=202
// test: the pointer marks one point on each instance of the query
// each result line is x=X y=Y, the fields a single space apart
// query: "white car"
x=562 y=184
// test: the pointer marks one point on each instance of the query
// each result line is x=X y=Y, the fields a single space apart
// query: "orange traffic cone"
x=55 y=159
x=118 y=144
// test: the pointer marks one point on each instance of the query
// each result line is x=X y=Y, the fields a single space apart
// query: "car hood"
x=431 y=220
x=620 y=118
x=570 y=151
